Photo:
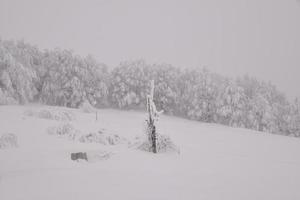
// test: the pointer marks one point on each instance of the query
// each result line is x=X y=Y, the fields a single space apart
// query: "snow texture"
x=215 y=161
x=95 y=156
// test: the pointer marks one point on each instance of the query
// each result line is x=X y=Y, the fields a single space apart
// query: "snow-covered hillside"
x=215 y=162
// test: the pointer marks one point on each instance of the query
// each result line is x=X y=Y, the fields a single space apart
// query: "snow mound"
x=8 y=140
x=64 y=130
x=86 y=107
x=98 y=156
x=164 y=145
x=102 y=138
x=58 y=115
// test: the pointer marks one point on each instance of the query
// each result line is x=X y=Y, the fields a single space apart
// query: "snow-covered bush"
x=58 y=115
x=8 y=140
x=64 y=130
x=164 y=144
x=67 y=130
x=102 y=138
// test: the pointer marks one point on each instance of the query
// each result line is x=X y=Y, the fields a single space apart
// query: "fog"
x=260 y=38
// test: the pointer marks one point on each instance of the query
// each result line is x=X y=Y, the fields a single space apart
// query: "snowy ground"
x=215 y=162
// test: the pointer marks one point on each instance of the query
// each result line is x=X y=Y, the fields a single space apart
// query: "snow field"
x=215 y=162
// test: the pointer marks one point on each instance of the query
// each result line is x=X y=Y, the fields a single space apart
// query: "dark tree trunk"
x=154 y=138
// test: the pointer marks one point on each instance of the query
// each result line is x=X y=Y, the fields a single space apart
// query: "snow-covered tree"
x=198 y=91
x=58 y=77
x=128 y=84
x=294 y=119
x=69 y=80
x=232 y=105
x=153 y=116
x=16 y=80
x=166 y=80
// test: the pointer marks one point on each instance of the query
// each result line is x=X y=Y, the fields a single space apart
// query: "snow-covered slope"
x=215 y=162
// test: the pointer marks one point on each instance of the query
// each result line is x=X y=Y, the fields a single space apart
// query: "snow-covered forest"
x=62 y=78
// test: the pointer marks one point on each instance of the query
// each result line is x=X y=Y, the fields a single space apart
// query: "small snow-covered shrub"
x=102 y=138
x=87 y=107
x=59 y=115
x=56 y=115
x=8 y=140
x=64 y=130
x=163 y=144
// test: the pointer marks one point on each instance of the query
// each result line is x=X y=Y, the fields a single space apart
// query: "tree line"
x=59 y=77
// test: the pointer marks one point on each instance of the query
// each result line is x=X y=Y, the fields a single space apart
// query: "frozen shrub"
x=65 y=116
x=164 y=144
x=102 y=138
x=64 y=130
x=8 y=140
x=91 y=138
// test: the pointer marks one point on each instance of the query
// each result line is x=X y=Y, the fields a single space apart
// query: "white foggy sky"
x=232 y=37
